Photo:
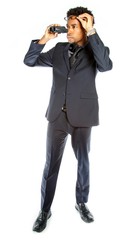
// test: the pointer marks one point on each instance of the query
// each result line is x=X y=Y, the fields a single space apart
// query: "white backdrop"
x=24 y=95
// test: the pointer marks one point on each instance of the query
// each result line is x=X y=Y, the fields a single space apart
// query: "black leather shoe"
x=84 y=212
x=41 y=221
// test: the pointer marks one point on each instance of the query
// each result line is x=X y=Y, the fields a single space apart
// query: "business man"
x=73 y=106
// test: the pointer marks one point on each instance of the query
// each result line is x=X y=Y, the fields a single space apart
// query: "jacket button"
x=69 y=78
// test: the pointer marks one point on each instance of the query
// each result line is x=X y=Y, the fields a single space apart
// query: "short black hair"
x=78 y=11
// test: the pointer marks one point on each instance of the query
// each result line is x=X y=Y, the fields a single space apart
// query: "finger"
x=82 y=18
x=56 y=34
x=51 y=25
x=86 y=16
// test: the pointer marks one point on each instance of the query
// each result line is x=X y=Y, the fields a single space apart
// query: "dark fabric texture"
x=76 y=85
x=74 y=74
x=56 y=140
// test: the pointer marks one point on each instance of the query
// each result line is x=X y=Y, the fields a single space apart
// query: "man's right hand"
x=48 y=35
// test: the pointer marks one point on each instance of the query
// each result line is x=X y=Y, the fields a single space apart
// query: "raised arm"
x=34 y=56
x=101 y=52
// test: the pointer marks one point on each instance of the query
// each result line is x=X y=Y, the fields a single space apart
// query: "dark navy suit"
x=76 y=88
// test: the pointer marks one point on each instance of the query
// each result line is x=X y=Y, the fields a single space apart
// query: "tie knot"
x=74 y=48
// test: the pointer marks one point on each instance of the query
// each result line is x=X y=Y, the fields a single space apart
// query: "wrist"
x=91 y=32
x=43 y=40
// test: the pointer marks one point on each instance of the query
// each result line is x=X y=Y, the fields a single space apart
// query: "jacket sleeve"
x=35 y=56
x=101 y=53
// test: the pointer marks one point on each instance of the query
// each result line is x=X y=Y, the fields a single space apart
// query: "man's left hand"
x=86 y=21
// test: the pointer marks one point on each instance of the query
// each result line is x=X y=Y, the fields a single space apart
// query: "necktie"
x=74 y=51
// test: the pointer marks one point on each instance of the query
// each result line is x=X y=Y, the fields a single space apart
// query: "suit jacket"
x=75 y=86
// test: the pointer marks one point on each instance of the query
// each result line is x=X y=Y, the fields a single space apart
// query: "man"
x=73 y=105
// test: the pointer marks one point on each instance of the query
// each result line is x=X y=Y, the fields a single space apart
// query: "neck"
x=82 y=42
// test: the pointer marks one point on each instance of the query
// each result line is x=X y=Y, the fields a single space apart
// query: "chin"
x=70 y=40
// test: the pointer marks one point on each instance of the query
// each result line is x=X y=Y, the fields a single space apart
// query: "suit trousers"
x=57 y=134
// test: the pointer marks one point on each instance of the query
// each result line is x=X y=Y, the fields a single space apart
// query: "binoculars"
x=58 y=29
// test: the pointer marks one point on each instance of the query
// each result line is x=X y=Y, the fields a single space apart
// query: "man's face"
x=76 y=33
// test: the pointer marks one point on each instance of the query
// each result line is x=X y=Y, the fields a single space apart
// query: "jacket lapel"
x=66 y=57
x=80 y=57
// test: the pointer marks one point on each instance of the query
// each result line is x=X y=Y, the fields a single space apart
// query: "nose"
x=69 y=31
